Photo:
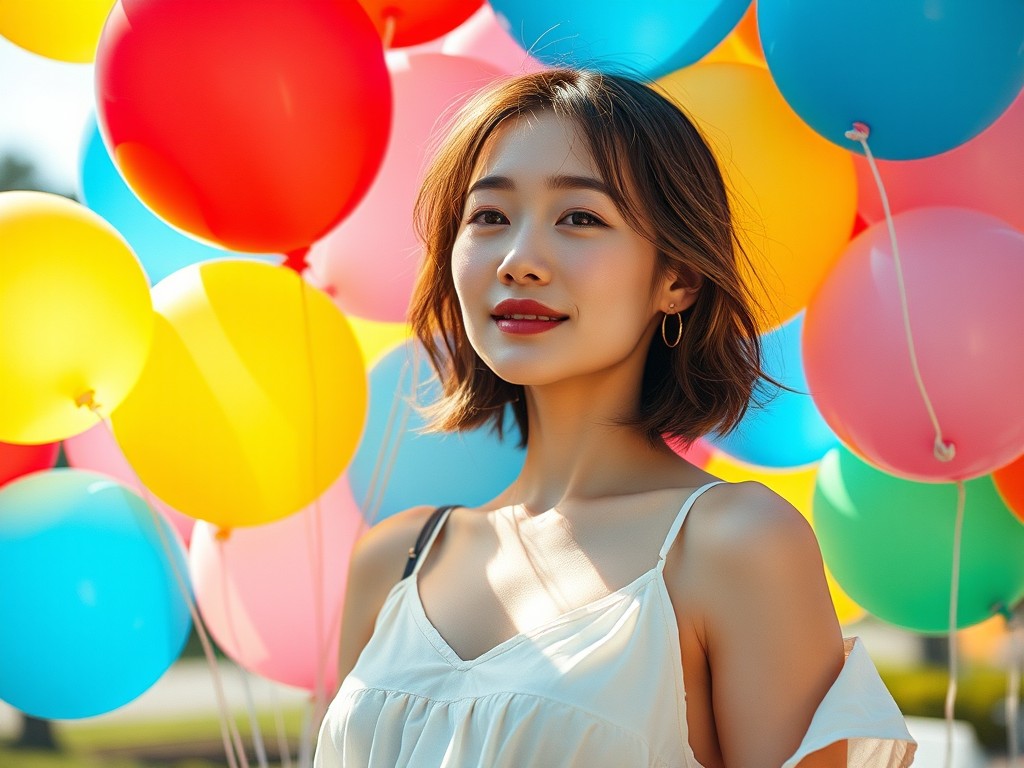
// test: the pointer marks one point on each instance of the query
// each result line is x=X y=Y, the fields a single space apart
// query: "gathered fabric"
x=600 y=685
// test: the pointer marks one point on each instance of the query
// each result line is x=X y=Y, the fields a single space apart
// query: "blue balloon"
x=648 y=38
x=923 y=76
x=404 y=467
x=788 y=431
x=161 y=248
x=92 y=613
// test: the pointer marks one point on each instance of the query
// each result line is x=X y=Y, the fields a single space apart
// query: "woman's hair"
x=667 y=184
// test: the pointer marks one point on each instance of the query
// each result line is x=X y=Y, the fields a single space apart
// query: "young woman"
x=581 y=267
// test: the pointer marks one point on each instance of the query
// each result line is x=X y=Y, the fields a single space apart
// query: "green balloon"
x=889 y=544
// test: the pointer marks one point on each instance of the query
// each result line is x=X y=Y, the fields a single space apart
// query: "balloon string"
x=257 y=735
x=226 y=722
x=315 y=552
x=389 y=30
x=282 y=738
x=394 y=437
x=941 y=448
x=954 y=596
x=1013 y=624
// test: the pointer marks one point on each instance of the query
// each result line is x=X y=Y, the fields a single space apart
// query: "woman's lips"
x=525 y=316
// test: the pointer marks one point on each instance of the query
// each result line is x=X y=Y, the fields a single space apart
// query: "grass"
x=193 y=742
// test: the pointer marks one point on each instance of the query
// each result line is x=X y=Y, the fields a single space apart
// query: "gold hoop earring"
x=679 y=332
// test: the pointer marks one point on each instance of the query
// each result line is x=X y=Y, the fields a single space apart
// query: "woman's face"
x=552 y=281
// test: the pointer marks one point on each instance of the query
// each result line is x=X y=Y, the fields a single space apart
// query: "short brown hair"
x=668 y=186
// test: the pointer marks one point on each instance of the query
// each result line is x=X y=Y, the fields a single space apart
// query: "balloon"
x=787 y=431
x=161 y=248
x=796 y=487
x=482 y=37
x=983 y=174
x=93 y=614
x=1009 y=482
x=97 y=450
x=399 y=466
x=963 y=271
x=239 y=418
x=794 y=195
x=256 y=588
x=649 y=39
x=80 y=303
x=698 y=452
x=872 y=526
x=18 y=460
x=56 y=29
x=377 y=339
x=369 y=262
x=416 y=21
x=740 y=46
x=265 y=134
x=923 y=77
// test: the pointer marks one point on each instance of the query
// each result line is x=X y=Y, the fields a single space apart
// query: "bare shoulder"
x=376 y=565
x=380 y=554
x=746 y=527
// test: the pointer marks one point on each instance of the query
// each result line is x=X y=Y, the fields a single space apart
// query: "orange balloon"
x=793 y=193
x=1010 y=483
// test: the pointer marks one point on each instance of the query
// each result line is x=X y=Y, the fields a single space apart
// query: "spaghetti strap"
x=678 y=522
x=420 y=552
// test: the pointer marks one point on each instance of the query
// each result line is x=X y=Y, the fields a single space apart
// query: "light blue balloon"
x=647 y=38
x=91 y=613
x=161 y=248
x=406 y=467
x=924 y=76
x=788 y=431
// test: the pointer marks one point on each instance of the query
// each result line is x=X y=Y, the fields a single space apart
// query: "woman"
x=581 y=267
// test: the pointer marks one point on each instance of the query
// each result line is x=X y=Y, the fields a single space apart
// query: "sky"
x=44 y=105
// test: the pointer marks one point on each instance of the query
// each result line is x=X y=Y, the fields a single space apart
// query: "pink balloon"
x=985 y=174
x=482 y=37
x=963 y=272
x=256 y=590
x=96 y=449
x=368 y=262
x=698 y=453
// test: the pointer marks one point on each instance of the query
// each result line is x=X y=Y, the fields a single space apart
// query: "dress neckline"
x=448 y=653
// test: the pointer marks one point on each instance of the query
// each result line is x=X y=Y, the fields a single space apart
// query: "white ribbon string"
x=942 y=449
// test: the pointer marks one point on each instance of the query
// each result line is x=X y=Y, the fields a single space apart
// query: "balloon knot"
x=222 y=534
x=859 y=132
x=944 y=451
x=87 y=399
x=296 y=260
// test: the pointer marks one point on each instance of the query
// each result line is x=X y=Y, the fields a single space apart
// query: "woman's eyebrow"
x=557 y=181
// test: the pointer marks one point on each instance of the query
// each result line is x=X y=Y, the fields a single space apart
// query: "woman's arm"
x=773 y=641
x=375 y=566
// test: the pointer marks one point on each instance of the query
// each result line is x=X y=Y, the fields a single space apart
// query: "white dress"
x=598 y=686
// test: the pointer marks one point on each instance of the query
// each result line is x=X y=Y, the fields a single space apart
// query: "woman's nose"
x=526 y=261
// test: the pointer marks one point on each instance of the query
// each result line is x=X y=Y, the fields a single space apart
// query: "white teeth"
x=527 y=317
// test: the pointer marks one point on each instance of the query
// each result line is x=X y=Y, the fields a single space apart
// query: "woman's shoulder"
x=747 y=531
x=382 y=550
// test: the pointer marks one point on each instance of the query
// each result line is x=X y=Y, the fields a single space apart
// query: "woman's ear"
x=680 y=290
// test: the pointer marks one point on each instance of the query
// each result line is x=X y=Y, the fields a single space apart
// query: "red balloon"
x=255 y=126
x=418 y=21
x=17 y=460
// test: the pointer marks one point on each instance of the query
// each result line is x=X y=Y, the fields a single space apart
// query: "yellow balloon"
x=792 y=192
x=796 y=487
x=66 y=30
x=238 y=417
x=75 y=316
x=376 y=339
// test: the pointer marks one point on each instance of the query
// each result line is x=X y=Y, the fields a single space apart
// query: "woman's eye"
x=583 y=219
x=488 y=216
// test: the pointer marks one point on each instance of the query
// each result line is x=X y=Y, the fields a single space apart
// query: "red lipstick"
x=526 y=316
